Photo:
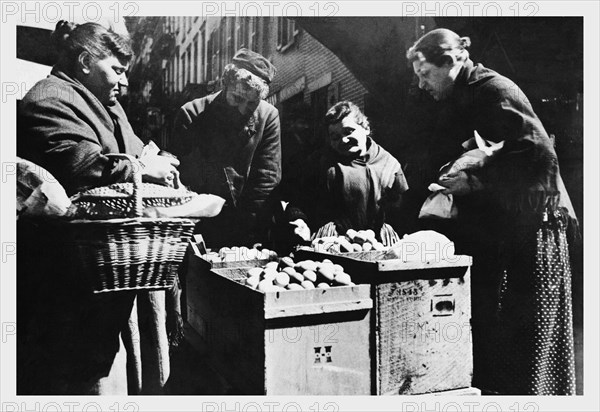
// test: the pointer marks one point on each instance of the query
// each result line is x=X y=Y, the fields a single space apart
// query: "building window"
x=240 y=41
x=188 y=77
x=286 y=33
x=253 y=34
x=231 y=38
x=177 y=70
x=182 y=76
x=203 y=62
x=210 y=58
x=319 y=105
x=172 y=76
x=167 y=77
x=196 y=57
x=222 y=45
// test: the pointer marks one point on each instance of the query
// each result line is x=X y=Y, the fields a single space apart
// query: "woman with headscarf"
x=513 y=215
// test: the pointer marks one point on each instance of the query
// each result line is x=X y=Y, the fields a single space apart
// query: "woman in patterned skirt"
x=513 y=217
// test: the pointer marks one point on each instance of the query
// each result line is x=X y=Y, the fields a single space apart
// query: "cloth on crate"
x=38 y=192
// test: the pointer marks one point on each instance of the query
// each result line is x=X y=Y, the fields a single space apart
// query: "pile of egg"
x=288 y=275
x=353 y=241
x=241 y=253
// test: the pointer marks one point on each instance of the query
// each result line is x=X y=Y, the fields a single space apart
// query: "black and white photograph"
x=324 y=206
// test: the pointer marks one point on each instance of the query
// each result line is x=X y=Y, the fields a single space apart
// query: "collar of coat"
x=472 y=73
x=114 y=113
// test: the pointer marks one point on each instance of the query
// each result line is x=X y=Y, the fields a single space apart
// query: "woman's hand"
x=455 y=183
x=301 y=229
x=161 y=170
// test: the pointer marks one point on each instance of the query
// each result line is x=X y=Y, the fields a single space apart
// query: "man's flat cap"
x=255 y=64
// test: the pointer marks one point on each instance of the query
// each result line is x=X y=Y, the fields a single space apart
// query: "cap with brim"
x=255 y=64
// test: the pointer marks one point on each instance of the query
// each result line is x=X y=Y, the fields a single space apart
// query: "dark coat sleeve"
x=181 y=142
x=527 y=165
x=265 y=169
x=59 y=136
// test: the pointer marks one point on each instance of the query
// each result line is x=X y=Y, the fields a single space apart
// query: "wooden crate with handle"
x=304 y=342
x=421 y=319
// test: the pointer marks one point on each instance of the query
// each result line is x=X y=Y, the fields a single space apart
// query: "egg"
x=310 y=275
x=297 y=277
x=294 y=286
x=307 y=284
x=343 y=279
x=309 y=265
x=270 y=275
x=286 y=262
x=289 y=270
x=323 y=285
x=327 y=272
x=351 y=233
x=265 y=286
x=253 y=254
x=253 y=281
x=370 y=235
x=367 y=247
x=254 y=272
x=378 y=246
x=282 y=279
x=272 y=265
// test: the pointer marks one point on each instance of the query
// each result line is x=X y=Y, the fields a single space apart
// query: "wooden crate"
x=421 y=319
x=308 y=342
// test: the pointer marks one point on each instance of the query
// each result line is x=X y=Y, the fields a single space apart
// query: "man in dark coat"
x=229 y=144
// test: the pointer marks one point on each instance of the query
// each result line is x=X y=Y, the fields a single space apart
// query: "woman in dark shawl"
x=514 y=212
x=350 y=184
x=70 y=342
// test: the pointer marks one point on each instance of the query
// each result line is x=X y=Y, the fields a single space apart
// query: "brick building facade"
x=182 y=58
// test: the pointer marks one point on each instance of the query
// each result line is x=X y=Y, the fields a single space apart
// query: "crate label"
x=323 y=354
x=443 y=305
x=411 y=292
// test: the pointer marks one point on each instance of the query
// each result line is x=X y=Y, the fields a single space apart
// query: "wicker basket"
x=130 y=253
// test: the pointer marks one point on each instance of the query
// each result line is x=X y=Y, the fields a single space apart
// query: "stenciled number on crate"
x=323 y=354
x=412 y=291
x=442 y=305
x=330 y=331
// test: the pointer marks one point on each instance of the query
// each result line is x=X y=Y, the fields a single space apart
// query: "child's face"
x=348 y=138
